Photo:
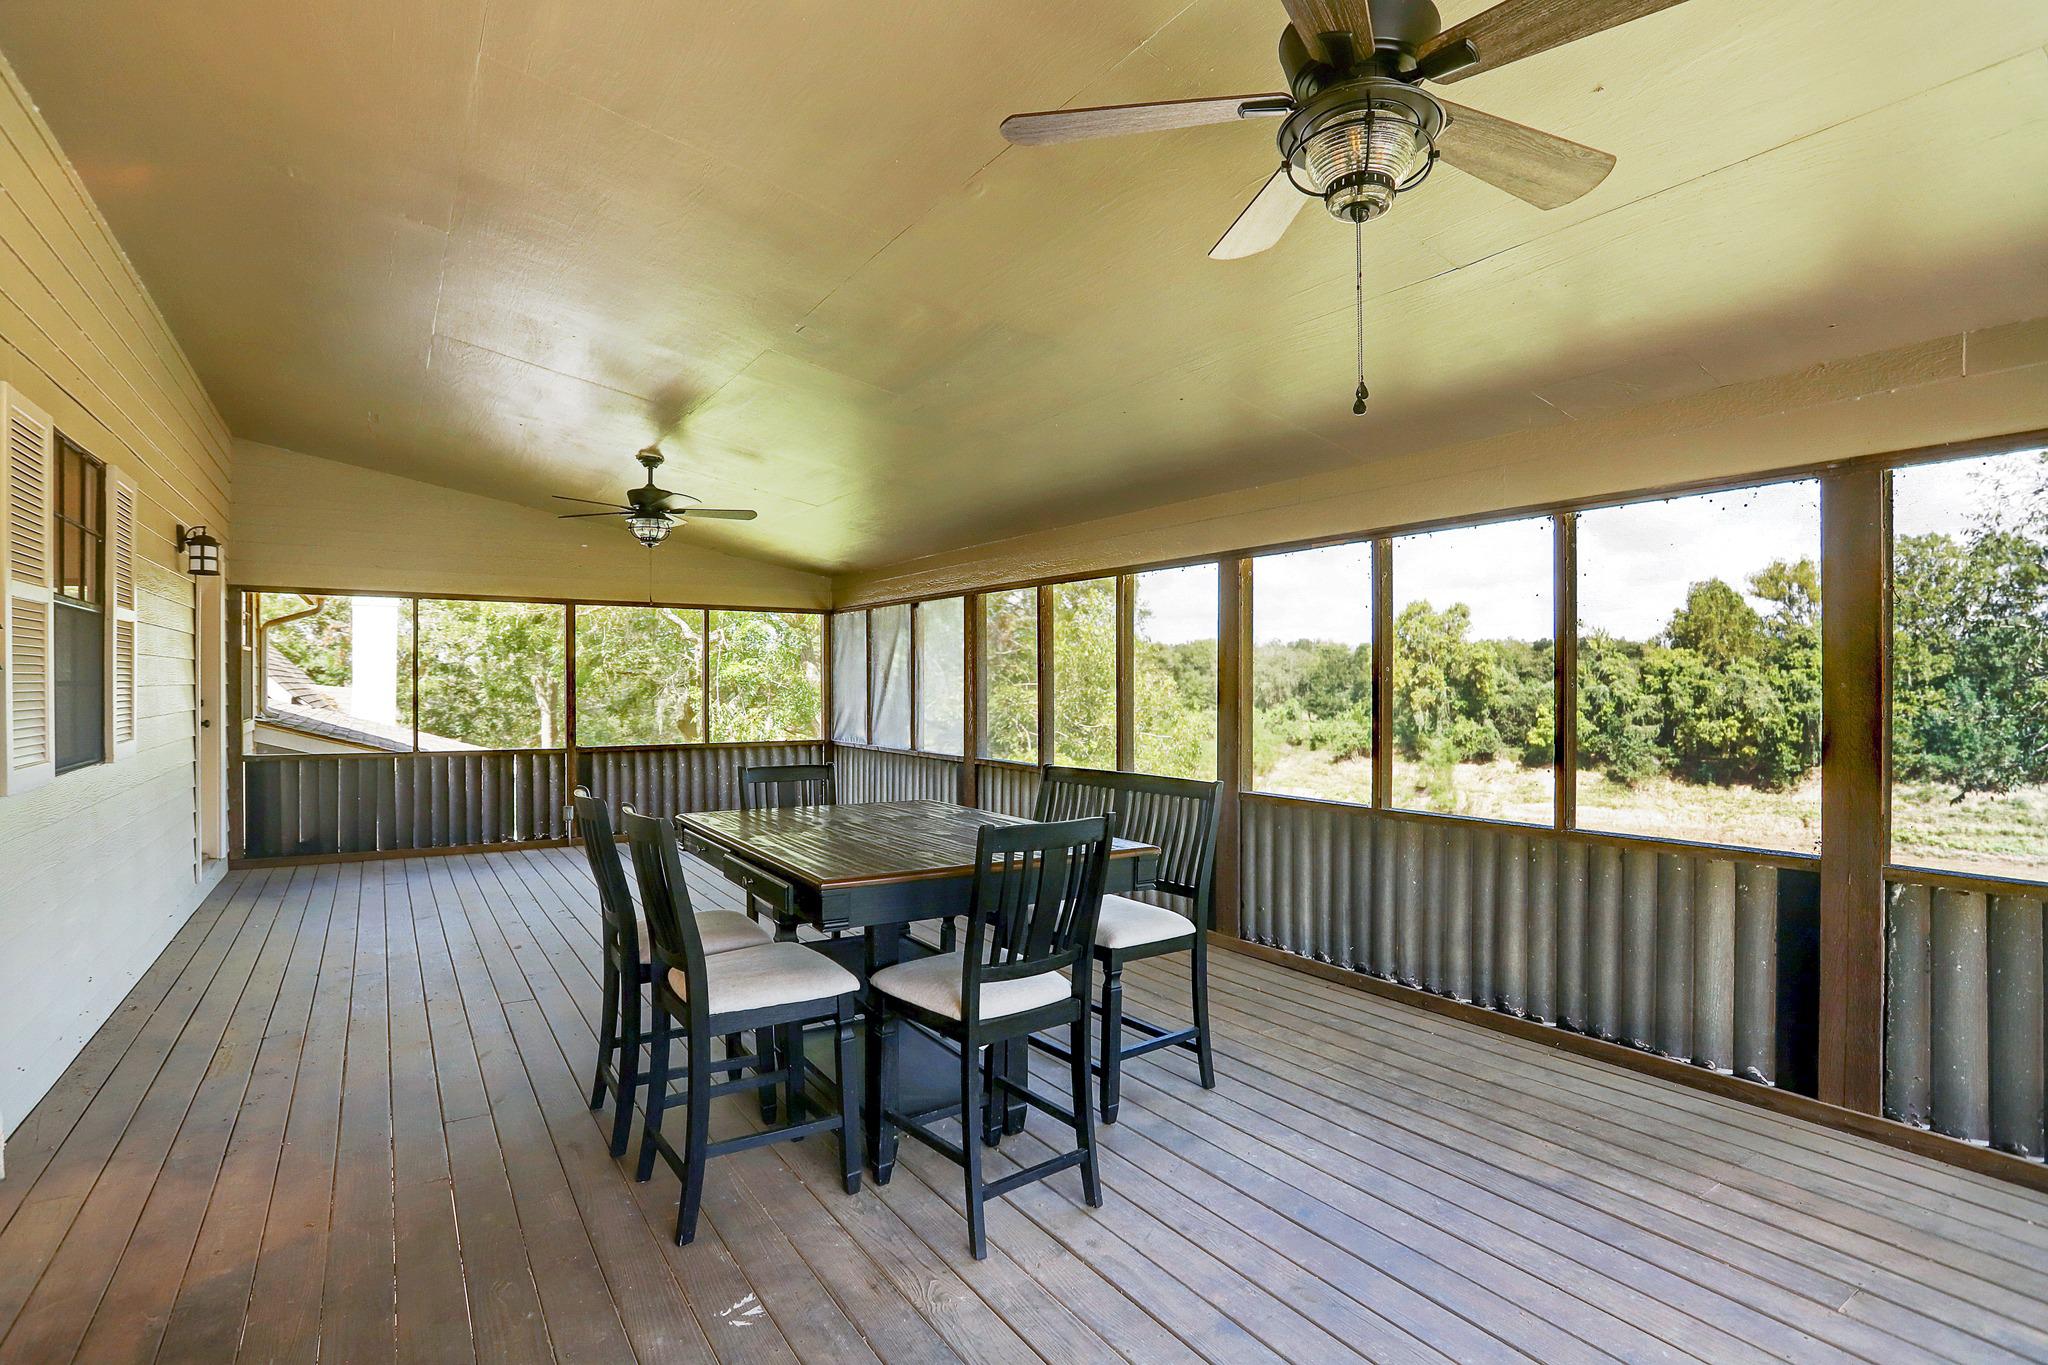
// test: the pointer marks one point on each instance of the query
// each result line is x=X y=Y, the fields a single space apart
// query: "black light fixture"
x=201 y=551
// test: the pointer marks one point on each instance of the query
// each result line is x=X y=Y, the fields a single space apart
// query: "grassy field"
x=2001 y=836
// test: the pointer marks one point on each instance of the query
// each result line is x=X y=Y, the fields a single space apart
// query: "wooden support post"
x=569 y=693
x=1565 y=653
x=243 y=608
x=825 y=627
x=1233 y=728
x=867 y=729
x=1126 y=671
x=916 y=610
x=1382 y=673
x=1046 y=717
x=973 y=700
x=1855 y=796
x=704 y=677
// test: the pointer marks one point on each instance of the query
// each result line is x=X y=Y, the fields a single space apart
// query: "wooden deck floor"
x=343 y=1117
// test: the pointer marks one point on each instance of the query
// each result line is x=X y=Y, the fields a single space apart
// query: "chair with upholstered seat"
x=782 y=786
x=1178 y=815
x=1036 y=895
x=772 y=990
x=628 y=964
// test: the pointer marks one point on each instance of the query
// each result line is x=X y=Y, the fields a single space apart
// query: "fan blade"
x=1263 y=222
x=564 y=497
x=1515 y=29
x=720 y=513
x=1115 y=120
x=1535 y=167
x=1314 y=18
x=578 y=516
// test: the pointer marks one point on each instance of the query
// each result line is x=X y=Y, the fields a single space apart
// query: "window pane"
x=1699 y=668
x=1969 y=694
x=336 y=676
x=1174 y=672
x=891 y=656
x=1084 y=673
x=1009 y=674
x=764 y=676
x=80 y=730
x=850 y=677
x=1312 y=673
x=1474 y=671
x=941 y=673
x=639 y=675
x=491 y=673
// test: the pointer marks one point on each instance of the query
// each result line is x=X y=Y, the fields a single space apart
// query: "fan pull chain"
x=1358 y=273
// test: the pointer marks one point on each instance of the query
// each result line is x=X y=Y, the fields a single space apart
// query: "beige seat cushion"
x=933 y=984
x=721 y=930
x=766 y=975
x=1127 y=923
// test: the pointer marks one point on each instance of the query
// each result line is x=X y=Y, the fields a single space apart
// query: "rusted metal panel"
x=2016 y=1025
x=1959 y=1014
x=1713 y=963
x=1669 y=948
x=1674 y=955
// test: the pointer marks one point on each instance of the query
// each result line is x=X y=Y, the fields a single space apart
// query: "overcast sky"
x=1636 y=562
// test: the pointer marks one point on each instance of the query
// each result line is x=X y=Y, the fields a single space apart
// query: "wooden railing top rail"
x=399 y=753
x=1987 y=883
x=1764 y=857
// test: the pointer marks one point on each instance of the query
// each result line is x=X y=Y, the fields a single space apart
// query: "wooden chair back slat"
x=665 y=900
x=614 y=899
x=1175 y=814
x=778 y=786
x=1037 y=895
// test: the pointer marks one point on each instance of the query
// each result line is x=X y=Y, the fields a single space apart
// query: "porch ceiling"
x=498 y=244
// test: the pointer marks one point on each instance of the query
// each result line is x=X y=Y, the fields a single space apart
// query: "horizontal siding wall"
x=1663 y=948
x=1966 y=1033
x=99 y=868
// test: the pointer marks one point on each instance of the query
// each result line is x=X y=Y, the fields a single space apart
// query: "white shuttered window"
x=27 y=621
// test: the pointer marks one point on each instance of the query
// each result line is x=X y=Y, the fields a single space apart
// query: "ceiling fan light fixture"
x=1358 y=164
x=650 y=528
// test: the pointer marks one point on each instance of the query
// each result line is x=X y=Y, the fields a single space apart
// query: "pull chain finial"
x=1358 y=273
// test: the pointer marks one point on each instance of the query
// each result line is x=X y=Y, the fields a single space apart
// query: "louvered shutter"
x=122 y=511
x=27 y=603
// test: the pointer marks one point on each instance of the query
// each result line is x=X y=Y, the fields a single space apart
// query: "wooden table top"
x=865 y=844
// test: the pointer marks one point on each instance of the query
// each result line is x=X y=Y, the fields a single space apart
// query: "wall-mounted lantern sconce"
x=201 y=551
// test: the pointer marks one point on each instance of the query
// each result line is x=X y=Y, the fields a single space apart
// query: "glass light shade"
x=1359 y=165
x=202 y=553
x=649 y=528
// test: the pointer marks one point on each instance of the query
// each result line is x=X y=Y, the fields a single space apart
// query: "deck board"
x=343 y=1117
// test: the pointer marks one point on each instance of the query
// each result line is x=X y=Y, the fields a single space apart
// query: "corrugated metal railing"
x=1011 y=788
x=674 y=779
x=1670 y=948
x=300 y=805
x=1966 y=1040
x=892 y=775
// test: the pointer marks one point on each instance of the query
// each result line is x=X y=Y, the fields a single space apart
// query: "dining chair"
x=780 y=786
x=628 y=965
x=1178 y=816
x=777 y=786
x=771 y=989
x=1036 y=895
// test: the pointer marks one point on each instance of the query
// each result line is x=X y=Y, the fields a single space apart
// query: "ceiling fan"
x=1358 y=129
x=651 y=512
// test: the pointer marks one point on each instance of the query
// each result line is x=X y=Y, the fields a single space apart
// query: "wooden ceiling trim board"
x=1914 y=395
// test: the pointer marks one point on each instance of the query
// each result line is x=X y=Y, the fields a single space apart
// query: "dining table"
x=876 y=869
